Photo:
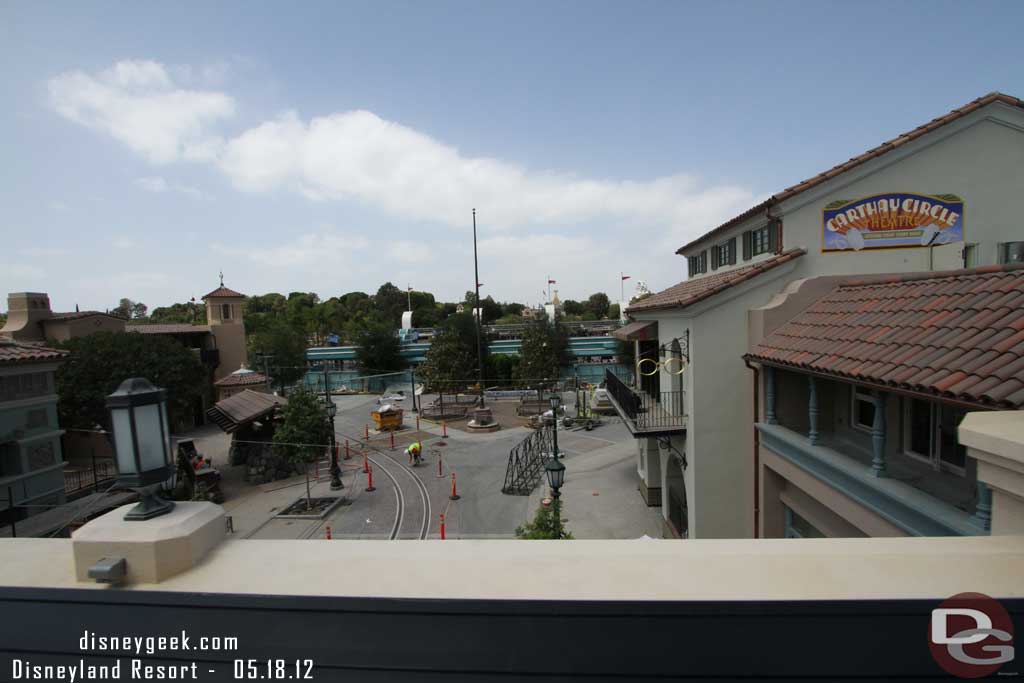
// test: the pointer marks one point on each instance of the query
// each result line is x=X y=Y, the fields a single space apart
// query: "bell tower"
x=225 y=318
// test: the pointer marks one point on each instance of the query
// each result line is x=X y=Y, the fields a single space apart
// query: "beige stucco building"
x=29 y=319
x=942 y=196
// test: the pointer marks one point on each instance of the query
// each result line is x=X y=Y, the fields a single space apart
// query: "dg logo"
x=671 y=365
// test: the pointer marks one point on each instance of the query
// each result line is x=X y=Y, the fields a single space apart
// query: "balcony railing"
x=643 y=413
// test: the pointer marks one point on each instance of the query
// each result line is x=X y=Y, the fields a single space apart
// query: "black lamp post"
x=336 y=483
x=554 y=401
x=555 y=470
x=138 y=413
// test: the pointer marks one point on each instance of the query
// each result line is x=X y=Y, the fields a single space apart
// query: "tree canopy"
x=99 y=362
x=378 y=348
x=544 y=350
x=285 y=350
x=450 y=362
x=303 y=433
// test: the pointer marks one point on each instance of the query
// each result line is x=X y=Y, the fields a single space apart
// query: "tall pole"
x=335 y=470
x=478 y=313
x=408 y=291
x=622 y=289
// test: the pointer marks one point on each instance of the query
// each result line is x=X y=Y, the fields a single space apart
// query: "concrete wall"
x=63 y=330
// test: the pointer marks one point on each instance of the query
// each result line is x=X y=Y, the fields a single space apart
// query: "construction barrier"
x=370 y=486
x=442 y=526
x=455 y=493
x=328 y=529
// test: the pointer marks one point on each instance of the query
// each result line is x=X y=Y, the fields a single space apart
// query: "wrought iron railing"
x=526 y=462
x=647 y=413
x=81 y=479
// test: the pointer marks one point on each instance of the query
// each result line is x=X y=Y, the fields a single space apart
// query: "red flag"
x=479 y=284
x=625 y=277
x=552 y=282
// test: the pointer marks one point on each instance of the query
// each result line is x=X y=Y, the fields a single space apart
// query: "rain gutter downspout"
x=757 y=448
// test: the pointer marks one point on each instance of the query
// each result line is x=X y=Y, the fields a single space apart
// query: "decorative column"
x=813 y=411
x=769 y=395
x=983 y=509
x=878 y=436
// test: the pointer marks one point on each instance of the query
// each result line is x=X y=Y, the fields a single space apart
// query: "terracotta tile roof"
x=12 y=352
x=167 y=328
x=241 y=378
x=886 y=146
x=222 y=291
x=73 y=315
x=697 y=289
x=955 y=334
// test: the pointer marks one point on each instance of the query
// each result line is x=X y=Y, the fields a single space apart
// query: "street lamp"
x=555 y=470
x=138 y=413
x=336 y=484
x=554 y=401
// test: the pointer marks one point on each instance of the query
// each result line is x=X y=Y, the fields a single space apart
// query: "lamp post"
x=138 y=413
x=478 y=314
x=555 y=470
x=554 y=401
x=336 y=483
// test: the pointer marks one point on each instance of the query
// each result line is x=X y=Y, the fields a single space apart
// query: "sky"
x=330 y=147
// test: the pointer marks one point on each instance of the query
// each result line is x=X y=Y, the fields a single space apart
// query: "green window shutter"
x=732 y=251
x=714 y=258
x=746 y=245
x=704 y=261
x=774 y=229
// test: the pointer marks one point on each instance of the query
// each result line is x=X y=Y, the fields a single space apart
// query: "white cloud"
x=159 y=185
x=358 y=155
x=138 y=104
x=59 y=206
x=323 y=249
x=152 y=184
x=124 y=242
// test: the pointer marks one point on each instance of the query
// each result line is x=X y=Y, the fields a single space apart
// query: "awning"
x=637 y=331
x=247 y=406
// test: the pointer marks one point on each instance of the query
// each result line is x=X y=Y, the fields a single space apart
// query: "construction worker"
x=413 y=451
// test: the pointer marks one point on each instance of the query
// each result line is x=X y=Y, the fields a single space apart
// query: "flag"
x=625 y=277
x=479 y=284
x=552 y=282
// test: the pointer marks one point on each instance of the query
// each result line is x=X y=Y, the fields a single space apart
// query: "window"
x=930 y=435
x=759 y=241
x=970 y=255
x=225 y=311
x=863 y=410
x=698 y=264
x=723 y=254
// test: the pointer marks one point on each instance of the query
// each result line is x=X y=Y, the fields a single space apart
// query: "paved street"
x=599 y=498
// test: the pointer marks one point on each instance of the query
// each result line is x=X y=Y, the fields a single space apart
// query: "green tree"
x=130 y=310
x=450 y=362
x=502 y=368
x=543 y=351
x=546 y=525
x=598 y=305
x=304 y=433
x=570 y=307
x=100 y=362
x=378 y=349
x=614 y=312
x=190 y=313
x=389 y=303
x=285 y=350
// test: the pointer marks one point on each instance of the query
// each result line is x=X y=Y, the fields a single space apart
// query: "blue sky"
x=330 y=147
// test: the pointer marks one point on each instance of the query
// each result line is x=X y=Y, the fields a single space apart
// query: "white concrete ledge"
x=154 y=549
x=775 y=569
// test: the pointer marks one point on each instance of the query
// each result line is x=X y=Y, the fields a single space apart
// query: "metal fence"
x=78 y=480
x=647 y=413
x=526 y=462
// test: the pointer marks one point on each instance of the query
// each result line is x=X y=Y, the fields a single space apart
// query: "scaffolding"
x=526 y=462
